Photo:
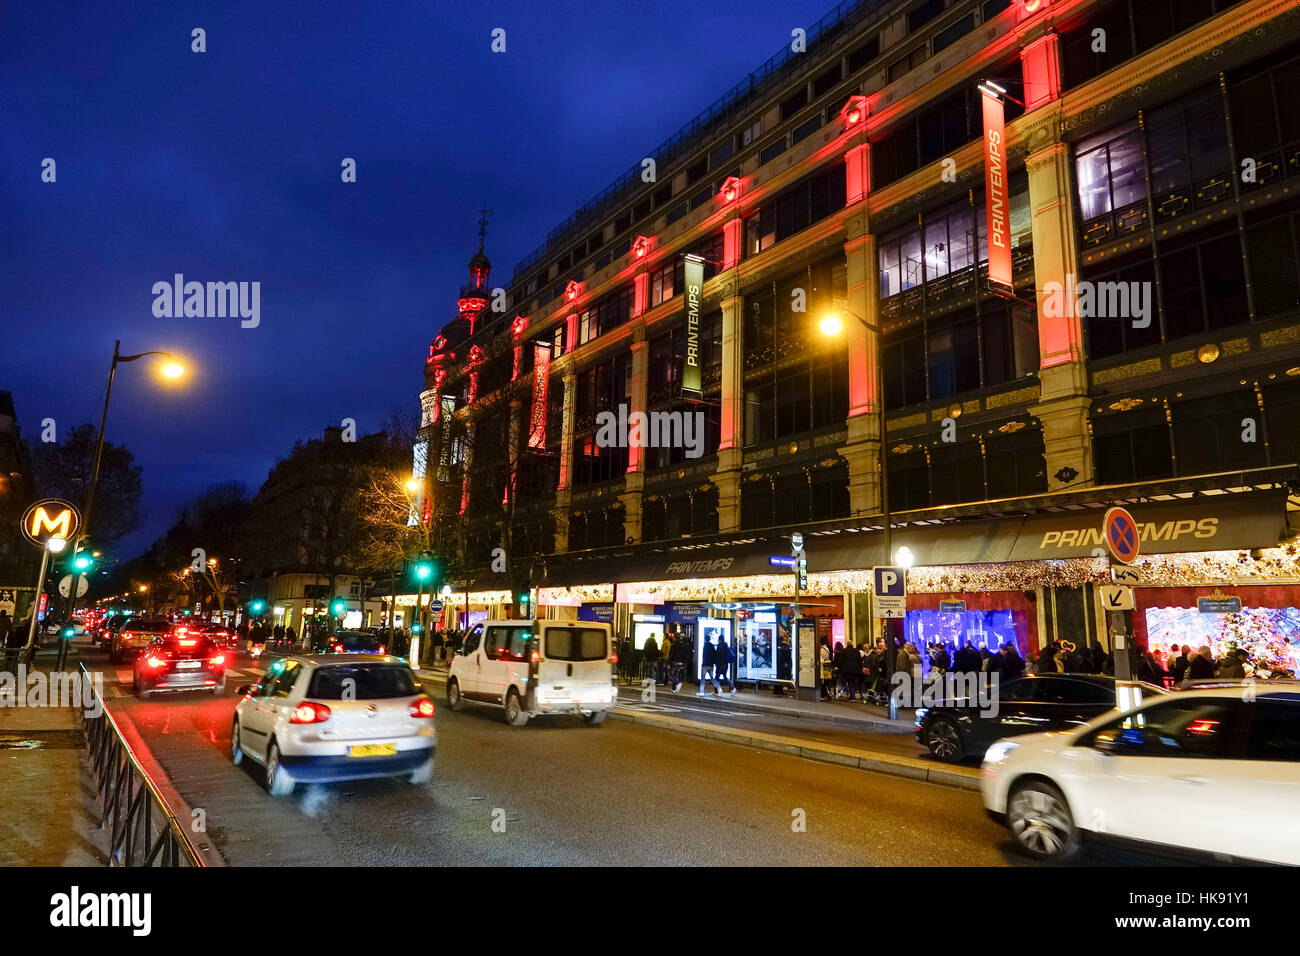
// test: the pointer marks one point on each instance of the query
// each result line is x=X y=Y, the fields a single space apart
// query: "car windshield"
x=575 y=644
x=189 y=644
x=361 y=682
x=154 y=625
x=357 y=641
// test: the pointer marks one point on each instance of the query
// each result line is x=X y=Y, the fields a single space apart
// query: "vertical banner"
x=995 y=192
x=694 y=278
x=541 y=380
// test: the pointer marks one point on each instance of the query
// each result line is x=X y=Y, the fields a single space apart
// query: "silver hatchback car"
x=326 y=717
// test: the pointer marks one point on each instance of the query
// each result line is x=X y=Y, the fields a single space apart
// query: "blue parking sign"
x=890 y=582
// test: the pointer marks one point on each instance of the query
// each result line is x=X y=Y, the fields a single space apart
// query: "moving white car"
x=533 y=667
x=328 y=717
x=1214 y=772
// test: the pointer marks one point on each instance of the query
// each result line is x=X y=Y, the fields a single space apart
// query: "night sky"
x=225 y=166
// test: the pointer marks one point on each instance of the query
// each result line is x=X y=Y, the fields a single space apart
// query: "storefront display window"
x=1269 y=636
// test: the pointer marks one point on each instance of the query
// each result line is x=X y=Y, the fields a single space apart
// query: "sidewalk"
x=861 y=717
x=50 y=811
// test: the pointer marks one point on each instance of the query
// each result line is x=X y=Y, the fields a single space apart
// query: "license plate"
x=188 y=665
x=372 y=750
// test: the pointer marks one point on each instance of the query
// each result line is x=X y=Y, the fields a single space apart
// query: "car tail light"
x=382 y=649
x=218 y=660
x=189 y=643
x=155 y=661
x=309 y=713
x=613 y=657
x=338 y=648
x=128 y=635
x=421 y=707
x=536 y=656
x=182 y=630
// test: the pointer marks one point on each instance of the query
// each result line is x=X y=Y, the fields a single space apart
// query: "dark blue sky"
x=225 y=166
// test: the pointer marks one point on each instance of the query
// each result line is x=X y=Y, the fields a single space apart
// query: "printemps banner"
x=541 y=379
x=694 y=277
x=995 y=191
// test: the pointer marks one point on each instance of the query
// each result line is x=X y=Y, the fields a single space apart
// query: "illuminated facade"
x=1147 y=331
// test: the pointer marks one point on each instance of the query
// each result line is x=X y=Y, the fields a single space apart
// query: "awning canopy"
x=1242 y=511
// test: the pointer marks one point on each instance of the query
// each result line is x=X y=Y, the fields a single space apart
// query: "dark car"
x=1026 y=705
x=180 y=662
x=135 y=635
x=351 y=642
x=103 y=634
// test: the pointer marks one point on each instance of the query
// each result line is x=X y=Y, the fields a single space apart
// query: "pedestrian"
x=650 y=658
x=1232 y=666
x=1201 y=666
x=722 y=657
x=850 y=670
x=940 y=663
x=6 y=624
x=1180 y=663
x=827 y=669
x=967 y=659
x=1047 y=658
x=707 y=660
x=665 y=654
x=291 y=637
x=277 y=635
x=1012 y=664
x=677 y=663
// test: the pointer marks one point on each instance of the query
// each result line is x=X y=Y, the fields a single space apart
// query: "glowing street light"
x=904 y=558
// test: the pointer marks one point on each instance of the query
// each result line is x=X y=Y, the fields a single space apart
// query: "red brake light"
x=128 y=635
x=536 y=656
x=338 y=648
x=613 y=657
x=309 y=713
x=382 y=650
x=182 y=630
x=218 y=660
x=421 y=707
x=154 y=661
x=187 y=643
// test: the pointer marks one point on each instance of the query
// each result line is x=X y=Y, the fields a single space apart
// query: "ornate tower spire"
x=474 y=296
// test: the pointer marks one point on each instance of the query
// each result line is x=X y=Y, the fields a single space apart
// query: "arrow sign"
x=1115 y=598
x=1124 y=576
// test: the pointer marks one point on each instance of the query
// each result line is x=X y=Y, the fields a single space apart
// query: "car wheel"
x=278 y=783
x=1040 y=820
x=453 y=695
x=515 y=715
x=424 y=774
x=595 y=718
x=236 y=751
x=943 y=737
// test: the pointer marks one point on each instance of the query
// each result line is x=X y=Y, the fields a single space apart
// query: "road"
x=559 y=792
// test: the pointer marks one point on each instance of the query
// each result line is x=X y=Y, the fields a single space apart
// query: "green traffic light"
x=415 y=629
x=83 y=562
x=424 y=571
x=258 y=606
x=523 y=599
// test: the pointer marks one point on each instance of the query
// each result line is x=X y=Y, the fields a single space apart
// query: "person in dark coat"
x=650 y=657
x=1180 y=663
x=939 y=661
x=851 y=670
x=967 y=660
x=1201 y=667
x=722 y=666
x=1047 y=658
x=1012 y=664
x=707 y=663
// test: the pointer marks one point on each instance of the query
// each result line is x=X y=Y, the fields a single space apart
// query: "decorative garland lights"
x=1279 y=565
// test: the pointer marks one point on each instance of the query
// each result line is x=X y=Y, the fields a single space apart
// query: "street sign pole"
x=36 y=598
x=1124 y=542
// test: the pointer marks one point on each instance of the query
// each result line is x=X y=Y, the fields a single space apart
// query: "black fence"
x=144 y=831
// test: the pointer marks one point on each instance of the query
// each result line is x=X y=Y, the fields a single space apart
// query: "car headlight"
x=1000 y=751
x=920 y=714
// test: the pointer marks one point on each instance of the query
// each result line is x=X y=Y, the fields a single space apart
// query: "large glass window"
x=1131 y=446
x=1208 y=433
x=1109 y=171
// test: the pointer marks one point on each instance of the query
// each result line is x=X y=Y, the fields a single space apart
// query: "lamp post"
x=172 y=369
x=53 y=545
x=831 y=325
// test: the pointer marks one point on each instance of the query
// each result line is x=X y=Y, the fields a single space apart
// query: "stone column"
x=1063 y=377
x=730 y=448
x=862 y=449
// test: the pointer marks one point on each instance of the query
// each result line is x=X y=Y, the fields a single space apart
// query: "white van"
x=536 y=667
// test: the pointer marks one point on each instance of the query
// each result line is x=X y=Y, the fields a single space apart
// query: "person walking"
x=851 y=670
x=650 y=658
x=677 y=663
x=1232 y=666
x=827 y=669
x=6 y=625
x=722 y=658
x=665 y=655
x=1180 y=664
x=707 y=662
x=1047 y=658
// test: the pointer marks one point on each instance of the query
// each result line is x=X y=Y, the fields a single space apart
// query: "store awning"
x=1170 y=519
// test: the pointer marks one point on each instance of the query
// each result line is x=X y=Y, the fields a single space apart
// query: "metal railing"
x=143 y=830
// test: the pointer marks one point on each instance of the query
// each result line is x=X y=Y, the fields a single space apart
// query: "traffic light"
x=257 y=606
x=83 y=562
x=523 y=599
x=416 y=628
x=186 y=612
x=423 y=569
x=338 y=606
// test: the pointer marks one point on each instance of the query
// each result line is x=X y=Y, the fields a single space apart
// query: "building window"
x=1271 y=248
x=804 y=130
x=1131 y=446
x=609 y=313
x=864 y=54
x=773 y=151
x=952 y=33
x=1208 y=434
x=808 y=201
x=1109 y=171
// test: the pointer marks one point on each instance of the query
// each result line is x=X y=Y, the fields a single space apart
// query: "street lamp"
x=171 y=369
x=904 y=558
x=53 y=545
x=831 y=325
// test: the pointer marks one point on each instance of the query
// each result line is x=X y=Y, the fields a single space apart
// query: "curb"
x=912 y=768
x=865 y=722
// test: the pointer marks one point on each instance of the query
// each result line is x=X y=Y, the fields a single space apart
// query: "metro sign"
x=50 y=518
